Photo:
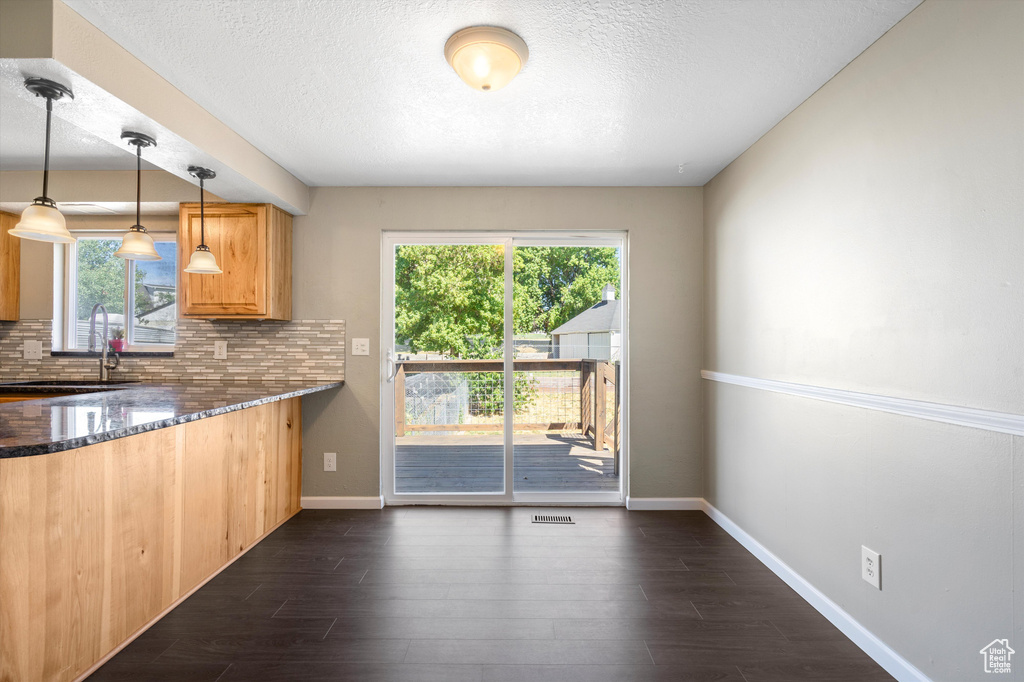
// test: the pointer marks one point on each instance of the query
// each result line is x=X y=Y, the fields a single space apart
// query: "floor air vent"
x=546 y=518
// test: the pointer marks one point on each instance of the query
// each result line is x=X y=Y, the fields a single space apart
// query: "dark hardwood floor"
x=452 y=594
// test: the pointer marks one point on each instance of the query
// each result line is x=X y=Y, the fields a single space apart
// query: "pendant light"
x=202 y=261
x=41 y=221
x=486 y=57
x=137 y=244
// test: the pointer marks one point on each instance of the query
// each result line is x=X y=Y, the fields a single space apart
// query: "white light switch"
x=220 y=350
x=33 y=350
x=360 y=346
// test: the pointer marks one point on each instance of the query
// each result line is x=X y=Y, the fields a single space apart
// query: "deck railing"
x=595 y=381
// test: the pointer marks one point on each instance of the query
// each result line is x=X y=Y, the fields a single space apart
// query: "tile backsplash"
x=311 y=350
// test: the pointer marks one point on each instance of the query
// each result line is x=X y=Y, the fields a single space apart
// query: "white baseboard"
x=326 y=502
x=664 y=503
x=897 y=666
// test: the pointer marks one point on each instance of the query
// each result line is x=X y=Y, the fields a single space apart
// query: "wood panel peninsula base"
x=99 y=542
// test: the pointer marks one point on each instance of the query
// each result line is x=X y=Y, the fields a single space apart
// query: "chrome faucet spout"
x=92 y=326
x=105 y=365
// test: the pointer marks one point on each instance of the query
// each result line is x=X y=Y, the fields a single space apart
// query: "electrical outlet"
x=360 y=346
x=220 y=350
x=330 y=461
x=33 y=350
x=871 y=567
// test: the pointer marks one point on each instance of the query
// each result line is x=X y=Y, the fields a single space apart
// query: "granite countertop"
x=93 y=414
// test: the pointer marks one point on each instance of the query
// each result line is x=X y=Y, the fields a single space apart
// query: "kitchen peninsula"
x=119 y=502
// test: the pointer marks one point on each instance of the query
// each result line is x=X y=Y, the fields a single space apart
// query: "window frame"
x=70 y=293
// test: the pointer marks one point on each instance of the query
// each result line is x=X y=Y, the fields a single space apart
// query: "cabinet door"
x=10 y=270
x=237 y=235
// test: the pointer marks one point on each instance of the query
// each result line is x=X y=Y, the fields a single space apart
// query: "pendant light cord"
x=138 y=185
x=202 y=214
x=46 y=158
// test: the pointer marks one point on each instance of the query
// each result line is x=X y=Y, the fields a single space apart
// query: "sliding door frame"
x=389 y=241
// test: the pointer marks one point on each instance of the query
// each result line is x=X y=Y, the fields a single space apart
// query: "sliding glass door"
x=503 y=368
x=567 y=327
x=448 y=368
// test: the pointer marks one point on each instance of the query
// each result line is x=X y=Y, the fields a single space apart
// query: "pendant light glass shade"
x=487 y=58
x=202 y=261
x=41 y=221
x=137 y=244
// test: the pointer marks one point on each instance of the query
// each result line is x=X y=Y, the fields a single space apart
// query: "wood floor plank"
x=690 y=630
x=405 y=627
x=753 y=652
x=545 y=592
x=612 y=673
x=162 y=672
x=463 y=577
x=534 y=652
x=363 y=671
x=273 y=649
x=823 y=671
x=497 y=550
x=437 y=609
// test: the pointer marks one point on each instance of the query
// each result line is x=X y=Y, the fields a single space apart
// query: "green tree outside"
x=100 y=276
x=553 y=284
x=450 y=299
x=101 y=280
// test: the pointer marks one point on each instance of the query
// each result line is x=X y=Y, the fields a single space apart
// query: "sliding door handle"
x=392 y=365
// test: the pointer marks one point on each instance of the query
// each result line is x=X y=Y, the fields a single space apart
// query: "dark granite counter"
x=38 y=427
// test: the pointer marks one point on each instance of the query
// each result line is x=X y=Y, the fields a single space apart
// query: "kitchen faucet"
x=105 y=364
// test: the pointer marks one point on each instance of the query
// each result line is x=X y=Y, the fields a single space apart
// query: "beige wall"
x=36 y=293
x=337 y=276
x=873 y=241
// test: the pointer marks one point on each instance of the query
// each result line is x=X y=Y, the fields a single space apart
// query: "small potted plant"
x=117 y=342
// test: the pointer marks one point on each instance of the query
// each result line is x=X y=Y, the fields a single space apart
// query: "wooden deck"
x=475 y=464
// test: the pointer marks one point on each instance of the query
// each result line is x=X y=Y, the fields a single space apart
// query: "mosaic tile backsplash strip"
x=311 y=350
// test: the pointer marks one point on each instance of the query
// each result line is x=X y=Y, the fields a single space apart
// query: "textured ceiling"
x=23 y=138
x=358 y=92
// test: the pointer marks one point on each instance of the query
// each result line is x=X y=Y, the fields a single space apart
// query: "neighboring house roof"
x=602 y=317
x=151 y=287
x=156 y=309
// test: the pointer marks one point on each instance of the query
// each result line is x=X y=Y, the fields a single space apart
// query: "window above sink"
x=141 y=297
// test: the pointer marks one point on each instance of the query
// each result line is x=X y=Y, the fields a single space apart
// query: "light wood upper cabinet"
x=10 y=268
x=253 y=246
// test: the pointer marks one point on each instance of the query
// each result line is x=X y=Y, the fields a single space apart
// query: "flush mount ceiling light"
x=202 y=261
x=41 y=221
x=486 y=57
x=137 y=244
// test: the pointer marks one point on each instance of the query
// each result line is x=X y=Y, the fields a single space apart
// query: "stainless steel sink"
x=36 y=390
x=81 y=382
